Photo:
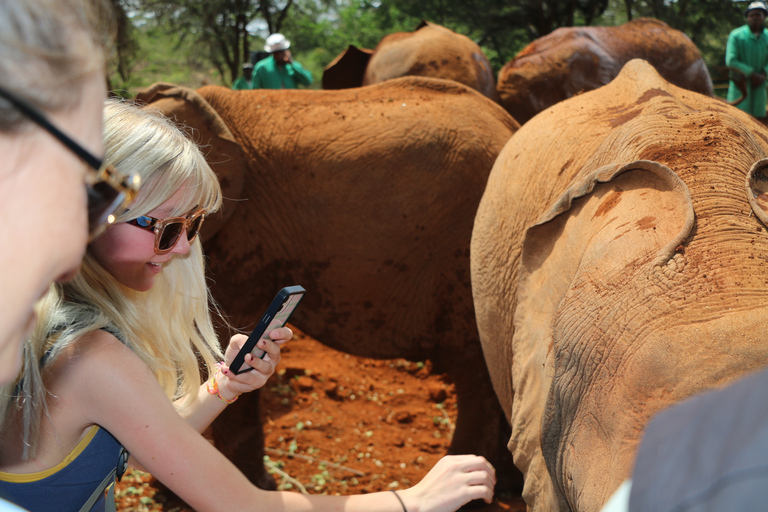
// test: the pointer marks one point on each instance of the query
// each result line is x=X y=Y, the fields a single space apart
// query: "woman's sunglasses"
x=108 y=190
x=168 y=231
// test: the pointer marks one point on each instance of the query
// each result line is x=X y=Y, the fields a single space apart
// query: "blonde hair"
x=48 y=48
x=169 y=326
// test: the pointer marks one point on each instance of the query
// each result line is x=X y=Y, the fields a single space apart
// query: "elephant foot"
x=238 y=434
x=509 y=479
x=258 y=475
x=482 y=429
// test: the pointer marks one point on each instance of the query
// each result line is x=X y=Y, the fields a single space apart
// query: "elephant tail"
x=738 y=77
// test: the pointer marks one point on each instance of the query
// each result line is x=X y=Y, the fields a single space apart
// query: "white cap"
x=276 y=43
x=756 y=5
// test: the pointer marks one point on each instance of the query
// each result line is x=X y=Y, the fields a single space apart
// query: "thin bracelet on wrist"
x=213 y=385
x=399 y=499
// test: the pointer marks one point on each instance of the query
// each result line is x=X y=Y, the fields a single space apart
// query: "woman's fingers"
x=454 y=481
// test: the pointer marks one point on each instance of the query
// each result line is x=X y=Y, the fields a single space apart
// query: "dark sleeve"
x=708 y=453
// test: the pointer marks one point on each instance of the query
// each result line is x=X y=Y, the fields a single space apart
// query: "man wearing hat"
x=747 y=51
x=279 y=70
x=244 y=80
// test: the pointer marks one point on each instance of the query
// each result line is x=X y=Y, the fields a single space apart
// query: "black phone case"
x=277 y=315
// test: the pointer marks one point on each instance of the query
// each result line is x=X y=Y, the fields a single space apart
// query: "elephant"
x=618 y=267
x=430 y=50
x=572 y=60
x=366 y=198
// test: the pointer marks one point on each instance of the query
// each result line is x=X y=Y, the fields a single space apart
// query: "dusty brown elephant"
x=430 y=50
x=365 y=197
x=618 y=266
x=572 y=60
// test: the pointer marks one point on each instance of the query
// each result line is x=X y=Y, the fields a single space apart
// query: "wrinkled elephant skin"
x=431 y=51
x=618 y=267
x=572 y=60
x=366 y=197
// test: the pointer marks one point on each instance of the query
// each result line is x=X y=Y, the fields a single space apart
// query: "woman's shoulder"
x=94 y=359
x=87 y=347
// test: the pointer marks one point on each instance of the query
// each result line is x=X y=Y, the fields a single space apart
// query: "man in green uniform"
x=747 y=51
x=244 y=80
x=279 y=70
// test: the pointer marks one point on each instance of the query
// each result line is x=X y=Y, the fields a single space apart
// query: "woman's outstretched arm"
x=116 y=390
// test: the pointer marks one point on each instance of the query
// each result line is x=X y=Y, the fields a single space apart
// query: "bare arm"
x=116 y=390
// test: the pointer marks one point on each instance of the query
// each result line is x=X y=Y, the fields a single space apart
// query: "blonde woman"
x=117 y=352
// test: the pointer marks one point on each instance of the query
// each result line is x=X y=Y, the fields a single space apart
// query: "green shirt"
x=241 y=83
x=748 y=53
x=268 y=75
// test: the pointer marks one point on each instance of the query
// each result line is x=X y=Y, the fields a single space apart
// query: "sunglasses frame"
x=126 y=186
x=157 y=226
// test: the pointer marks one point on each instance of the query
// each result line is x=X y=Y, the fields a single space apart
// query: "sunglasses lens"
x=194 y=228
x=103 y=201
x=170 y=236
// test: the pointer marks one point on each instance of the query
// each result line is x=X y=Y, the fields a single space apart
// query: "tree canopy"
x=217 y=36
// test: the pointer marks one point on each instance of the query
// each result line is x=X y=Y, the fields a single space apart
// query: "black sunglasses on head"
x=108 y=190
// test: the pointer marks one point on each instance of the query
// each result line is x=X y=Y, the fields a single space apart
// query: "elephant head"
x=365 y=197
x=572 y=60
x=431 y=51
x=617 y=268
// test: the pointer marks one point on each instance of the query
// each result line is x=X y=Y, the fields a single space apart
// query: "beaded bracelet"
x=213 y=385
x=399 y=499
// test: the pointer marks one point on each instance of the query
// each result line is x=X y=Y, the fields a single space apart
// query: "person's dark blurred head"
x=247 y=70
x=755 y=14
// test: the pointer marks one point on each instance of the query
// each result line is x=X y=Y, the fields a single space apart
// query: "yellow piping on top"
x=23 y=478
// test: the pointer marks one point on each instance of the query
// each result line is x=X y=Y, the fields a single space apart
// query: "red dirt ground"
x=354 y=425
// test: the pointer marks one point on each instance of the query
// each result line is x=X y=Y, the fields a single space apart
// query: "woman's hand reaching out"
x=231 y=385
x=453 y=482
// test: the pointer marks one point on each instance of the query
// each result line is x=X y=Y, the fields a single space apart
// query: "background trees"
x=192 y=42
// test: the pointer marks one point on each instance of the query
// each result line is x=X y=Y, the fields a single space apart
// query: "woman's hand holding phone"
x=234 y=385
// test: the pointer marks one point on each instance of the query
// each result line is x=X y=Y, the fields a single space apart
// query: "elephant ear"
x=193 y=114
x=347 y=69
x=423 y=23
x=618 y=219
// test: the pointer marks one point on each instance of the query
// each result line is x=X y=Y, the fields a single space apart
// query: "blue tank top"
x=67 y=486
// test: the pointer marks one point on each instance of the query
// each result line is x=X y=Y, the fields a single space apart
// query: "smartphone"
x=277 y=315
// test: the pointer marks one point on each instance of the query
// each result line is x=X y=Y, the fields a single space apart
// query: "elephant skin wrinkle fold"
x=618 y=275
x=366 y=197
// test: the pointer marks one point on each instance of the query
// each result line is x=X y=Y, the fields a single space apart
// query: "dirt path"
x=353 y=425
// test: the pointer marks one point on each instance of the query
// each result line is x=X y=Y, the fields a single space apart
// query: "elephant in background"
x=431 y=50
x=572 y=60
x=618 y=266
x=366 y=197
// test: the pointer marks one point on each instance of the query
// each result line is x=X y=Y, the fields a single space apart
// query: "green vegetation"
x=198 y=42
x=164 y=56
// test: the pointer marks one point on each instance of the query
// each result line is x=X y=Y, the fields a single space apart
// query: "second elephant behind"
x=573 y=60
x=431 y=51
